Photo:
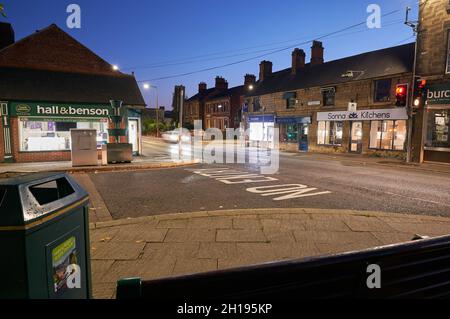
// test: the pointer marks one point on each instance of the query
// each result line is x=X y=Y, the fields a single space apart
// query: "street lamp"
x=147 y=86
x=115 y=67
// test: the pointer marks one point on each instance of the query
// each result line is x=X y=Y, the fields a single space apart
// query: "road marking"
x=293 y=191
x=231 y=177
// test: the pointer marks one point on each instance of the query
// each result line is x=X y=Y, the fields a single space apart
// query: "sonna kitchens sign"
x=364 y=115
x=59 y=110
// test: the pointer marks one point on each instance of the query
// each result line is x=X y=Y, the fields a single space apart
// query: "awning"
x=289 y=95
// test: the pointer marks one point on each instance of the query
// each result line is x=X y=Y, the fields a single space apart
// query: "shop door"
x=133 y=135
x=356 y=137
x=303 y=131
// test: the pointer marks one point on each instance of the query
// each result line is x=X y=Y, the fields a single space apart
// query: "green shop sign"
x=60 y=110
x=438 y=94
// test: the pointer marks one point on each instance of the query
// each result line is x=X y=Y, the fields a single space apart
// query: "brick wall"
x=432 y=39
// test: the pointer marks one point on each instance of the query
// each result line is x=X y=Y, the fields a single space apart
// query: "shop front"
x=376 y=131
x=41 y=131
x=437 y=124
x=294 y=133
x=261 y=130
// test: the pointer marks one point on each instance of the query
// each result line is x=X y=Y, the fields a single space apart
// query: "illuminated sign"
x=364 y=115
x=60 y=110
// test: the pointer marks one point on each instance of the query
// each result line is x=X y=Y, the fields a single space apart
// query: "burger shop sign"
x=60 y=110
x=364 y=115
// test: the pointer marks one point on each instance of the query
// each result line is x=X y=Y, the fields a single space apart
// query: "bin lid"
x=29 y=200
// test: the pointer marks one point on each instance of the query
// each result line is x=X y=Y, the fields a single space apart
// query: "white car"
x=173 y=136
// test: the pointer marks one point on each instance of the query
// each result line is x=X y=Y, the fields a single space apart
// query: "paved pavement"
x=178 y=244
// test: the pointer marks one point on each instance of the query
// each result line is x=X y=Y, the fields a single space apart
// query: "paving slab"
x=179 y=244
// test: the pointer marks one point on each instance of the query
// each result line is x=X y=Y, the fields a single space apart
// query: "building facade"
x=431 y=136
x=341 y=106
x=50 y=84
x=219 y=107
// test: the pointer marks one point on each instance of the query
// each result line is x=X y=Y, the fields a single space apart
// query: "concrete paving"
x=179 y=244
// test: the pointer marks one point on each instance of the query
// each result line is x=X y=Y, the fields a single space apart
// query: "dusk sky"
x=160 y=38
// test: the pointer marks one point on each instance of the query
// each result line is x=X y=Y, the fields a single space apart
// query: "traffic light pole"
x=410 y=106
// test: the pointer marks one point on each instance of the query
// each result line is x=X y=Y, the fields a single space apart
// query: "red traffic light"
x=401 y=95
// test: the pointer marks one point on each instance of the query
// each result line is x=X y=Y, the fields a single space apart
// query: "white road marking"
x=231 y=177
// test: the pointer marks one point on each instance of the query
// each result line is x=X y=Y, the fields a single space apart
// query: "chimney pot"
x=202 y=87
x=317 y=53
x=298 y=60
x=221 y=84
x=6 y=35
x=265 y=70
x=250 y=79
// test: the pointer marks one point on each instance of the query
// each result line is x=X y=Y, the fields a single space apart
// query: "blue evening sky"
x=141 y=34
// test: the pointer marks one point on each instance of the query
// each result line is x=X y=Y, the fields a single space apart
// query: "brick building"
x=218 y=107
x=431 y=137
x=346 y=105
x=194 y=107
x=49 y=84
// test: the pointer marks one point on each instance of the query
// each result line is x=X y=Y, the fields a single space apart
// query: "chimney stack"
x=202 y=87
x=298 y=60
x=317 y=53
x=250 y=79
x=221 y=84
x=6 y=35
x=265 y=70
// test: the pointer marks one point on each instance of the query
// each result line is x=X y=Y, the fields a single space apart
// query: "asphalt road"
x=302 y=181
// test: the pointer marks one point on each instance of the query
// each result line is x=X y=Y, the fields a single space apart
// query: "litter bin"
x=44 y=238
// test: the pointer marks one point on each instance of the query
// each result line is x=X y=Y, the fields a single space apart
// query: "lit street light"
x=147 y=87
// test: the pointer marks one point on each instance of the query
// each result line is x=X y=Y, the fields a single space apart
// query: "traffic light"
x=401 y=95
x=419 y=91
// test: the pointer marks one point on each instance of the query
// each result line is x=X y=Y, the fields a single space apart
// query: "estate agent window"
x=438 y=134
x=329 y=95
x=36 y=136
x=388 y=135
x=447 y=70
x=382 y=90
x=330 y=133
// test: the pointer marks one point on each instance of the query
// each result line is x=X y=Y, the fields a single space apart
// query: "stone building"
x=431 y=137
x=345 y=105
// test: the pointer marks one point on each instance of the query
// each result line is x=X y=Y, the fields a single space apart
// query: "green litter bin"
x=44 y=238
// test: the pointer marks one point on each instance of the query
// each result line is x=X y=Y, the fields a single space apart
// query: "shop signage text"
x=59 y=110
x=364 y=115
x=438 y=94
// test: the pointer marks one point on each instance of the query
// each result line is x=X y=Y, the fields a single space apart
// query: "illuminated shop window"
x=388 y=135
x=289 y=133
x=38 y=136
x=438 y=129
x=330 y=133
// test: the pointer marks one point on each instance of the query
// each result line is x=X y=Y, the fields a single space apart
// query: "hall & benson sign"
x=364 y=115
x=59 y=110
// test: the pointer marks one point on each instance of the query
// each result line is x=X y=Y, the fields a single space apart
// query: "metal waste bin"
x=44 y=238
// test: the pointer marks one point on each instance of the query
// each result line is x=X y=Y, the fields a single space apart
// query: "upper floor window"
x=256 y=104
x=329 y=95
x=382 y=90
x=291 y=99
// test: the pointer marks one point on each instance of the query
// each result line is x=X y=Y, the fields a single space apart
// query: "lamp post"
x=147 y=87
